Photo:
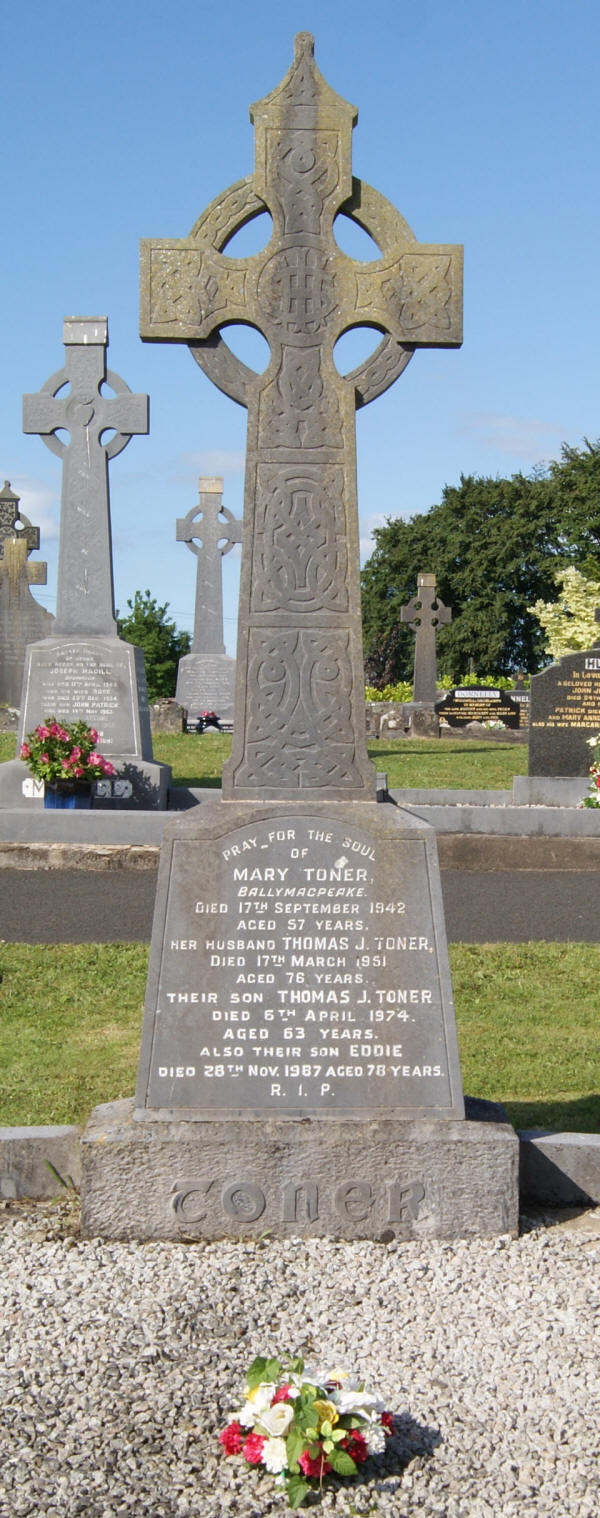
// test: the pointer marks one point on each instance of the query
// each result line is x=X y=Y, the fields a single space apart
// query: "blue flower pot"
x=74 y=797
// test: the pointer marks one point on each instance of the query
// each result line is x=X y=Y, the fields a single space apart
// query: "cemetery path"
x=481 y=906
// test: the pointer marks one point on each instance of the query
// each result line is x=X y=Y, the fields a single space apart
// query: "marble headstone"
x=564 y=712
x=478 y=703
x=22 y=619
x=84 y=671
x=205 y=676
x=298 y=1069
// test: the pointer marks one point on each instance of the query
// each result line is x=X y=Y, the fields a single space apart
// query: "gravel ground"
x=122 y=1361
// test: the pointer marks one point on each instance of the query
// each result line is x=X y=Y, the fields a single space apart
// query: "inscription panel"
x=100 y=681
x=468 y=704
x=302 y=971
x=564 y=713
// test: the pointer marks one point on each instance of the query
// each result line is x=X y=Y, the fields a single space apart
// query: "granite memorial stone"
x=564 y=713
x=474 y=703
x=205 y=677
x=298 y=1069
x=84 y=671
x=22 y=619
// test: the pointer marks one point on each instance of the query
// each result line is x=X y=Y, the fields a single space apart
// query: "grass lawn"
x=428 y=763
x=527 y=1017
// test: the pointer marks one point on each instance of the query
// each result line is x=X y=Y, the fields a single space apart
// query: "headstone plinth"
x=205 y=676
x=298 y=1069
x=84 y=671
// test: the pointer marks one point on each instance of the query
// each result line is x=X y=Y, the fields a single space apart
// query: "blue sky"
x=479 y=122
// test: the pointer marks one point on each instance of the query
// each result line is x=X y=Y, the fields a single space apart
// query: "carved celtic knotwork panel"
x=304 y=171
x=297 y=409
x=300 y=558
x=300 y=730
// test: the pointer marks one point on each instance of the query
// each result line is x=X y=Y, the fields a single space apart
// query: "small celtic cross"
x=424 y=614
x=210 y=530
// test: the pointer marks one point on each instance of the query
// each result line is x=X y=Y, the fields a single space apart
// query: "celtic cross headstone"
x=299 y=720
x=22 y=619
x=84 y=671
x=205 y=676
x=424 y=614
x=298 y=1069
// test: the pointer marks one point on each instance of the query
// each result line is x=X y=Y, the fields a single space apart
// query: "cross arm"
x=186 y=291
x=415 y=296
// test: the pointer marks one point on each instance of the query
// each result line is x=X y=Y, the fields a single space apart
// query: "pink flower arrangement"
x=56 y=751
x=301 y=1426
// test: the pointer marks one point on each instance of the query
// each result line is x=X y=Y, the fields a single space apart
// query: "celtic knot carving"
x=297 y=292
x=304 y=172
x=296 y=409
x=300 y=731
x=301 y=558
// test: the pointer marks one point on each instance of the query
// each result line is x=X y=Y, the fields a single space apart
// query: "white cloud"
x=526 y=437
x=40 y=504
x=217 y=462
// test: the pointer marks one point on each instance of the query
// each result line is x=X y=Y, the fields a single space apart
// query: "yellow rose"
x=326 y=1413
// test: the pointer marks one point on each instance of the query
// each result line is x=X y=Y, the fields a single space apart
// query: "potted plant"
x=64 y=756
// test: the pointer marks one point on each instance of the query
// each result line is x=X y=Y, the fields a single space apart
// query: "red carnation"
x=281 y=1395
x=231 y=1439
x=318 y=1466
x=387 y=1422
x=252 y=1449
x=355 y=1446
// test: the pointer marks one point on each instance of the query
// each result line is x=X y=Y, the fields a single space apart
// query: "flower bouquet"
x=593 y=797
x=301 y=1425
x=60 y=753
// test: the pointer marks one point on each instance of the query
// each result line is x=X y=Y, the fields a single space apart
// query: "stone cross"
x=424 y=614
x=299 y=726
x=85 y=596
x=14 y=524
x=210 y=531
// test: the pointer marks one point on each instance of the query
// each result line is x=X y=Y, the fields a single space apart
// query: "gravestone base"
x=205 y=684
x=548 y=790
x=289 y=1178
x=424 y=720
x=137 y=785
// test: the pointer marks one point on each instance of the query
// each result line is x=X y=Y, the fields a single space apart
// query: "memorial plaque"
x=522 y=699
x=299 y=967
x=564 y=713
x=478 y=704
x=101 y=681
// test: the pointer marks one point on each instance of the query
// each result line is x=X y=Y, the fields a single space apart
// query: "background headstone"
x=298 y=1067
x=205 y=676
x=481 y=703
x=424 y=614
x=84 y=671
x=564 y=712
x=22 y=619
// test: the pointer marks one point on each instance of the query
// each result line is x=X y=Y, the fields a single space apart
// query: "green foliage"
x=148 y=626
x=494 y=546
x=569 y=622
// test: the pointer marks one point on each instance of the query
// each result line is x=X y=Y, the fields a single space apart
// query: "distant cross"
x=85 y=596
x=299 y=719
x=13 y=523
x=424 y=614
x=210 y=531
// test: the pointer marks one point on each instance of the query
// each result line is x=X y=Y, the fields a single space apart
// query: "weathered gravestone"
x=424 y=614
x=205 y=676
x=84 y=671
x=298 y=1070
x=22 y=619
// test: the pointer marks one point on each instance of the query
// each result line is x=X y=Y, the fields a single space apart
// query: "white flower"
x=261 y=1396
x=374 y=1438
x=274 y=1454
x=277 y=1419
x=246 y=1415
x=351 y=1399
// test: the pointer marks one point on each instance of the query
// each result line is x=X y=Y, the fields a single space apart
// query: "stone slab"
x=348 y=1180
x=560 y=1169
x=206 y=684
x=549 y=790
x=27 y=1153
x=564 y=713
x=137 y=785
x=101 y=681
x=299 y=967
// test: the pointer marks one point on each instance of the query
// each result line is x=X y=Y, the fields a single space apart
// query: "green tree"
x=148 y=625
x=495 y=546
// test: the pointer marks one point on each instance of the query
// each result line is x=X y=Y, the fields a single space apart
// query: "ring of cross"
x=56 y=383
